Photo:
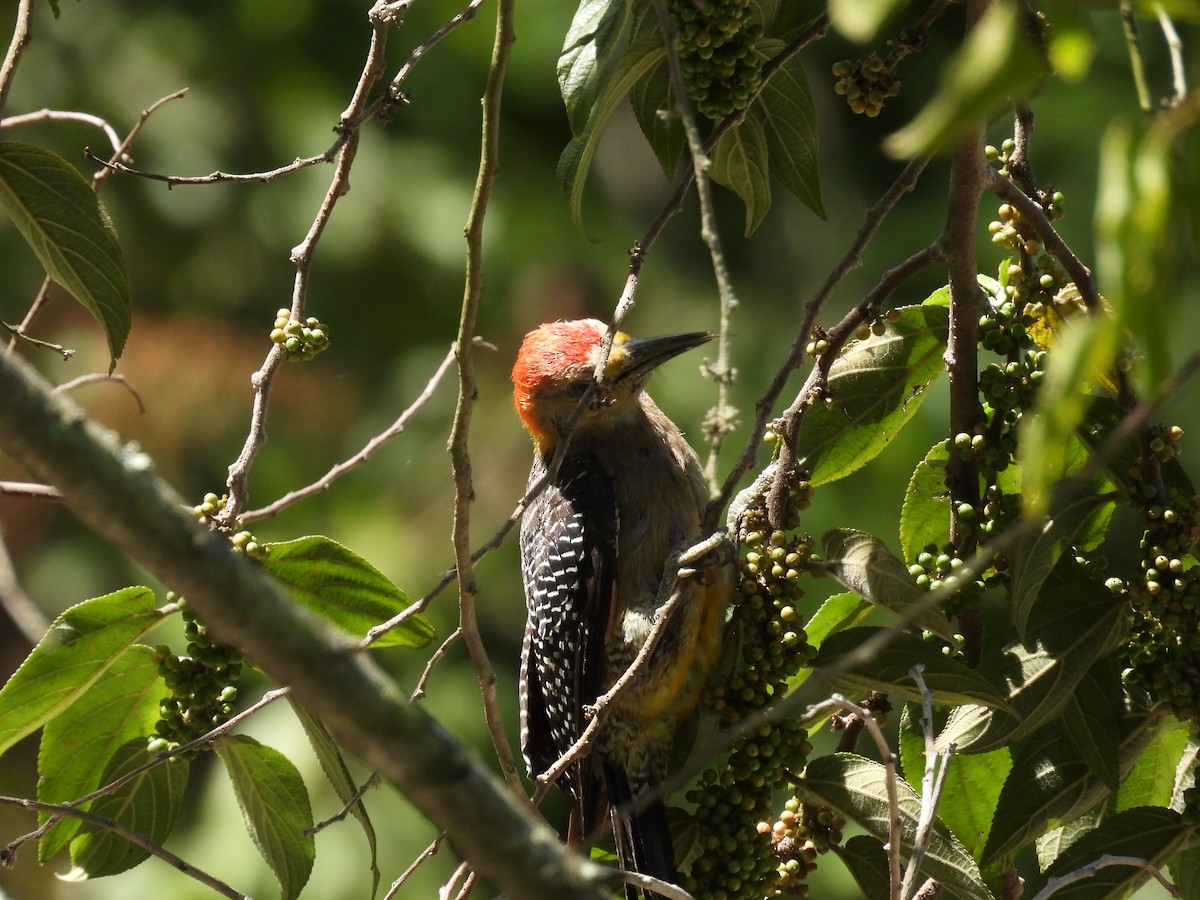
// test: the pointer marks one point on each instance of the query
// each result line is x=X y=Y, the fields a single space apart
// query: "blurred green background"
x=210 y=265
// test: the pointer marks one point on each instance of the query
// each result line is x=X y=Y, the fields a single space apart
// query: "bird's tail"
x=641 y=832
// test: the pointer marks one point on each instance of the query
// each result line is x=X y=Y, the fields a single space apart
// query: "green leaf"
x=593 y=40
x=1054 y=843
x=66 y=226
x=925 y=513
x=862 y=563
x=1148 y=833
x=645 y=51
x=857 y=788
x=148 y=805
x=72 y=656
x=77 y=746
x=1185 y=869
x=886 y=668
x=1040 y=549
x=1085 y=623
x=740 y=163
x=275 y=807
x=343 y=589
x=874 y=388
x=1152 y=780
x=837 y=613
x=995 y=64
x=971 y=786
x=334 y=766
x=784 y=111
x=866 y=860
x=653 y=101
x=1049 y=783
x=1092 y=720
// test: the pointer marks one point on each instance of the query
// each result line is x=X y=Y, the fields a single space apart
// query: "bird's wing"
x=568 y=543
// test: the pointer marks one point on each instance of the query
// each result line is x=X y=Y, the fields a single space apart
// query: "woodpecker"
x=594 y=544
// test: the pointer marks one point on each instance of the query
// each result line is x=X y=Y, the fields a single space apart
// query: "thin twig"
x=122 y=149
x=64 y=115
x=29 y=490
x=721 y=417
x=18 y=333
x=460 y=457
x=97 y=378
x=419 y=691
x=931 y=782
x=302 y=257
x=326 y=481
x=1054 y=885
x=426 y=854
x=25 y=614
x=20 y=40
x=468 y=886
x=216 y=177
x=460 y=872
x=348 y=806
x=1129 y=24
x=1175 y=50
x=59 y=810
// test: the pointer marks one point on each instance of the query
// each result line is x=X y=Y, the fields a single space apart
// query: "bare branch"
x=348 y=806
x=426 y=854
x=16 y=47
x=1054 y=885
x=931 y=783
x=1175 y=49
x=722 y=415
x=460 y=457
x=64 y=115
x=18 y=333
x=59 y=809
x=29 y=490
x=451 y=639
x=28 y=618
x=98 y=378
x=326 y=481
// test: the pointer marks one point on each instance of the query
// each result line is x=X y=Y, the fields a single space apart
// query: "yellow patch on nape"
x=617 y=357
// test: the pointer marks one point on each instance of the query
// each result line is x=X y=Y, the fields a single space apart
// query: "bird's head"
x=557 y=363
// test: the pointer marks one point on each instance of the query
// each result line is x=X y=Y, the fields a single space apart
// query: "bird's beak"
x=643 y=355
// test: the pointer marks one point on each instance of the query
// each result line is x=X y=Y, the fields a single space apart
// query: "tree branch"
x=460 y=456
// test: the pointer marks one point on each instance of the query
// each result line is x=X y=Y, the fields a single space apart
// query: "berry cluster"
x=300 y=340
x=735 y=842
x=935 y=568
x=203 y=685
x=1163 y=652
x=801 y=834
x=866 y=83
x=243 y=541
x=716 y=52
